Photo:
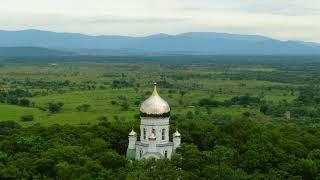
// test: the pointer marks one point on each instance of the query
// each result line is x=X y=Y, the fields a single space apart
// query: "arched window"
x=163 y=133
x=154 y=132
x=144 y=133
x=141 y=153
x=166 y=154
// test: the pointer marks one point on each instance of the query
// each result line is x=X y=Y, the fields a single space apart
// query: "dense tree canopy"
x=241 y=149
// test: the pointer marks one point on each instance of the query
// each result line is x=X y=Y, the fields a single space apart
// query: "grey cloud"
x=135 y=20
x=277 y=7
x=287 y=19
x=289 y=9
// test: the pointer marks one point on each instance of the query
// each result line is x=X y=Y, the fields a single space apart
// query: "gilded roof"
x=155 y=105
x=132 y=133
x=177 y=134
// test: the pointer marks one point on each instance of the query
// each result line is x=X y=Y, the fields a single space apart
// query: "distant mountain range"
x=31 y=51
x=36 y=42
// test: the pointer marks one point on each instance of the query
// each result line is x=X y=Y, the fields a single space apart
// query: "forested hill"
x=30 y=51
x=186 y=43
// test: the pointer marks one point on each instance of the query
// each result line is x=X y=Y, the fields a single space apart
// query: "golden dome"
x=155 y=106
x=132 y=133
x=176 y=134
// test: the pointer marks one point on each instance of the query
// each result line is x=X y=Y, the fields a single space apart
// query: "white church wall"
x=158 y=124
x=142 y=149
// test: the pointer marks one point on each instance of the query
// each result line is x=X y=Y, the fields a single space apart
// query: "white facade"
x=154 y=131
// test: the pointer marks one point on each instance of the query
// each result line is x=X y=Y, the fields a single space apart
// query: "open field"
x=108 y=86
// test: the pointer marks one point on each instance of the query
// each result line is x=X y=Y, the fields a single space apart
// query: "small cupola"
x=132 y=133
x=176 y=134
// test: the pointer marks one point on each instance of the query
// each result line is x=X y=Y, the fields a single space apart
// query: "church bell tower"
x=154 y=131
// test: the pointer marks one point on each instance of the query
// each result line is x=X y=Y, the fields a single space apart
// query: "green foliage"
x=120 y=84
x=241 y=148
x=103 y=118
x=6 y=126
x=124 y=106
x=55 y=107
x=244 y=100
x=209 y=103
x=264 y=108
x=24 y=102
x=12 y=97
x=84 y=108
x=26 y=118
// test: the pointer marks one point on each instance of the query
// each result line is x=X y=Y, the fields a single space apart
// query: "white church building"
x=154 y=131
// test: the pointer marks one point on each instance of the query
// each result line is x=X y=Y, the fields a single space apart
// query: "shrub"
x=103 y=118
x=84 y=108
x=24 y=102
x=27 y=118
x=5 y=126
x=264 y=108
x=246 y=114
x=117 y=84
x=209 y=103
x=55 y=107
x=124 y=106
x=114 y=103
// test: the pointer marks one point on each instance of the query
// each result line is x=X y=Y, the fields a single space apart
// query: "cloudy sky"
x=281 y=19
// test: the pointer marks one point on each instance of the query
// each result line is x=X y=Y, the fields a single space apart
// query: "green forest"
x=240 y=117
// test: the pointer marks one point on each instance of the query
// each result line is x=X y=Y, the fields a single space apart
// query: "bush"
x=189 y=115
x=124 y=106
x=5 y=126
x=264 y=108
x=246 y=114
x=84 y=108
x=42 y=108
x=209 y=103
x=24 y=102
x=243 y=100
x=114 y=103
x=27 y=118
x=117 y=84
x=55 y=107
x=103 y=118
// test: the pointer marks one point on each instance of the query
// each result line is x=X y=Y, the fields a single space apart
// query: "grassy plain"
x=182 y=83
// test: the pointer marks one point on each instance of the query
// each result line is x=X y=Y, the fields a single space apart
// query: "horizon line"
x=160 y=33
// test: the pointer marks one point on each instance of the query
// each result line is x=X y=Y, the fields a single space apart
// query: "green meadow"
x=115 y=89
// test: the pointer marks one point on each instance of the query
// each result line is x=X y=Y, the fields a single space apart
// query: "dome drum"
x=142 y=114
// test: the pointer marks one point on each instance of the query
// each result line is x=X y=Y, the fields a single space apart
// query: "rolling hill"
x=186 y=43
x=31 y=51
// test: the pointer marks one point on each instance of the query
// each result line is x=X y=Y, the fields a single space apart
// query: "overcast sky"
x=281 y=19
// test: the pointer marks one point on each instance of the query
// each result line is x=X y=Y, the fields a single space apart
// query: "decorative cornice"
x=155 y=115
